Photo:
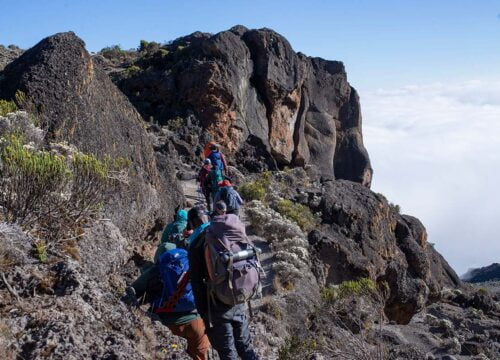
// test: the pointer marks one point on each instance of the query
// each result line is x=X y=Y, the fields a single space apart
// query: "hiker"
x=207 y=149
x=220 y=208
x=202 y=180
x=218 y=159
x=230 y=196
x=226 y=324
x=166 y=285
x=173 y=233
x=212 y=181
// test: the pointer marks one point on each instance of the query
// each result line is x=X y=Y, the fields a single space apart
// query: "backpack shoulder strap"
x=176 y=296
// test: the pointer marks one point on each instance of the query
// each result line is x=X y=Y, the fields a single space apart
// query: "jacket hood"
x=181 y=215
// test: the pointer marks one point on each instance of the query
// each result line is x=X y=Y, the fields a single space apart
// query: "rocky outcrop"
x=487 y=273
x=364 y=236
x=249 y=89
x=8 y=54
x=77 y=103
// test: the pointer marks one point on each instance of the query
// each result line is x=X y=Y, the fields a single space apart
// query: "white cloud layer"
x=435 y=150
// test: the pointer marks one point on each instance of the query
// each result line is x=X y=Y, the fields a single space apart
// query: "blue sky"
x=428 y=73
x=381 y=42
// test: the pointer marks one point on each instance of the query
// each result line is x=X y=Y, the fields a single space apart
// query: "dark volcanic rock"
x=78 y=103
x=363 y=236
x=487 y=273
x=246 y=84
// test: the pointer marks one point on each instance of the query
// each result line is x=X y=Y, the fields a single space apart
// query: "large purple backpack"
x=234 y=281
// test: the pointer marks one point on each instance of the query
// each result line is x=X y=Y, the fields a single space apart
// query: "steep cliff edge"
x=244 y=85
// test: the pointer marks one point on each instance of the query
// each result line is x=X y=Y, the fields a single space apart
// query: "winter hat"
x=220 y=207
x=207 y=162
x=224 y=183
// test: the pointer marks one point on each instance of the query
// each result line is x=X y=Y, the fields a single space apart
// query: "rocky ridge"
x=254 y=94
x=414 y=306
x=487 y=273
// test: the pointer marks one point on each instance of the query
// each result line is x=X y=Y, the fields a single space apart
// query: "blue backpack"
x=216 y=159
x=230 y=197
x=177 y=294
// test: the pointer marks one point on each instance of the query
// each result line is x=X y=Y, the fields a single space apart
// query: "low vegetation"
x=256 y=190
x=115 y=52
x=7 y=106
x=361 y=287
x=298 y=213
x=50 y=195
x=296 y=348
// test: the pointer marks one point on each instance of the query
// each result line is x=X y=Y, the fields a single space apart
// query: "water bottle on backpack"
x=233 y=279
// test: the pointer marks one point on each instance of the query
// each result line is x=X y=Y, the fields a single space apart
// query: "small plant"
x=175 y=124
x=298 y=213
x=7 y=107
x=115 y=52
x=363 y=286
x=395 y=207
x=132 y=70
x=252 y=191
x=272 y=308
x=329 y=294
x=41 y=251
x=297 y=349
x=143 y=45
x=70 y=247
x=256 y=190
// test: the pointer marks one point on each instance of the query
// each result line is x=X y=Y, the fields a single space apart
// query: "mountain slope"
x=243 y=85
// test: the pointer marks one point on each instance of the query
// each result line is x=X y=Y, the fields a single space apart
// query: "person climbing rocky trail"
x=110 y=150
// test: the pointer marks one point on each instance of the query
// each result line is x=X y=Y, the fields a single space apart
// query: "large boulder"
x=362 y=235
x=76 y=102
x=245 y=85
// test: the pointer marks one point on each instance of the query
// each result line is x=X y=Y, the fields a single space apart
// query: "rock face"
x=78 y=103
x=249 y=89
x=487 y=273
x=8 y=54
x=366 y=237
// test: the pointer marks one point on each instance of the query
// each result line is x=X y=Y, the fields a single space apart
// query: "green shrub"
x=50 y=195
x=298 y=213
x=148 y=47
x=252 y=191
x=256 y=190
x=143 y=45
x=115 y=52
x=329 y=294
x=132 y=70
x=7 y=107
x=363 y=286
x=41 y=251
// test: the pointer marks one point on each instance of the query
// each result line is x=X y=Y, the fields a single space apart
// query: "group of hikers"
x=205 y=270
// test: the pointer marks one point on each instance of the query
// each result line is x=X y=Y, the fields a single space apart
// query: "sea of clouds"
x=435 y=150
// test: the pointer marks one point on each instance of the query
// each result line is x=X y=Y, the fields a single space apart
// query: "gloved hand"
x=130 y=297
